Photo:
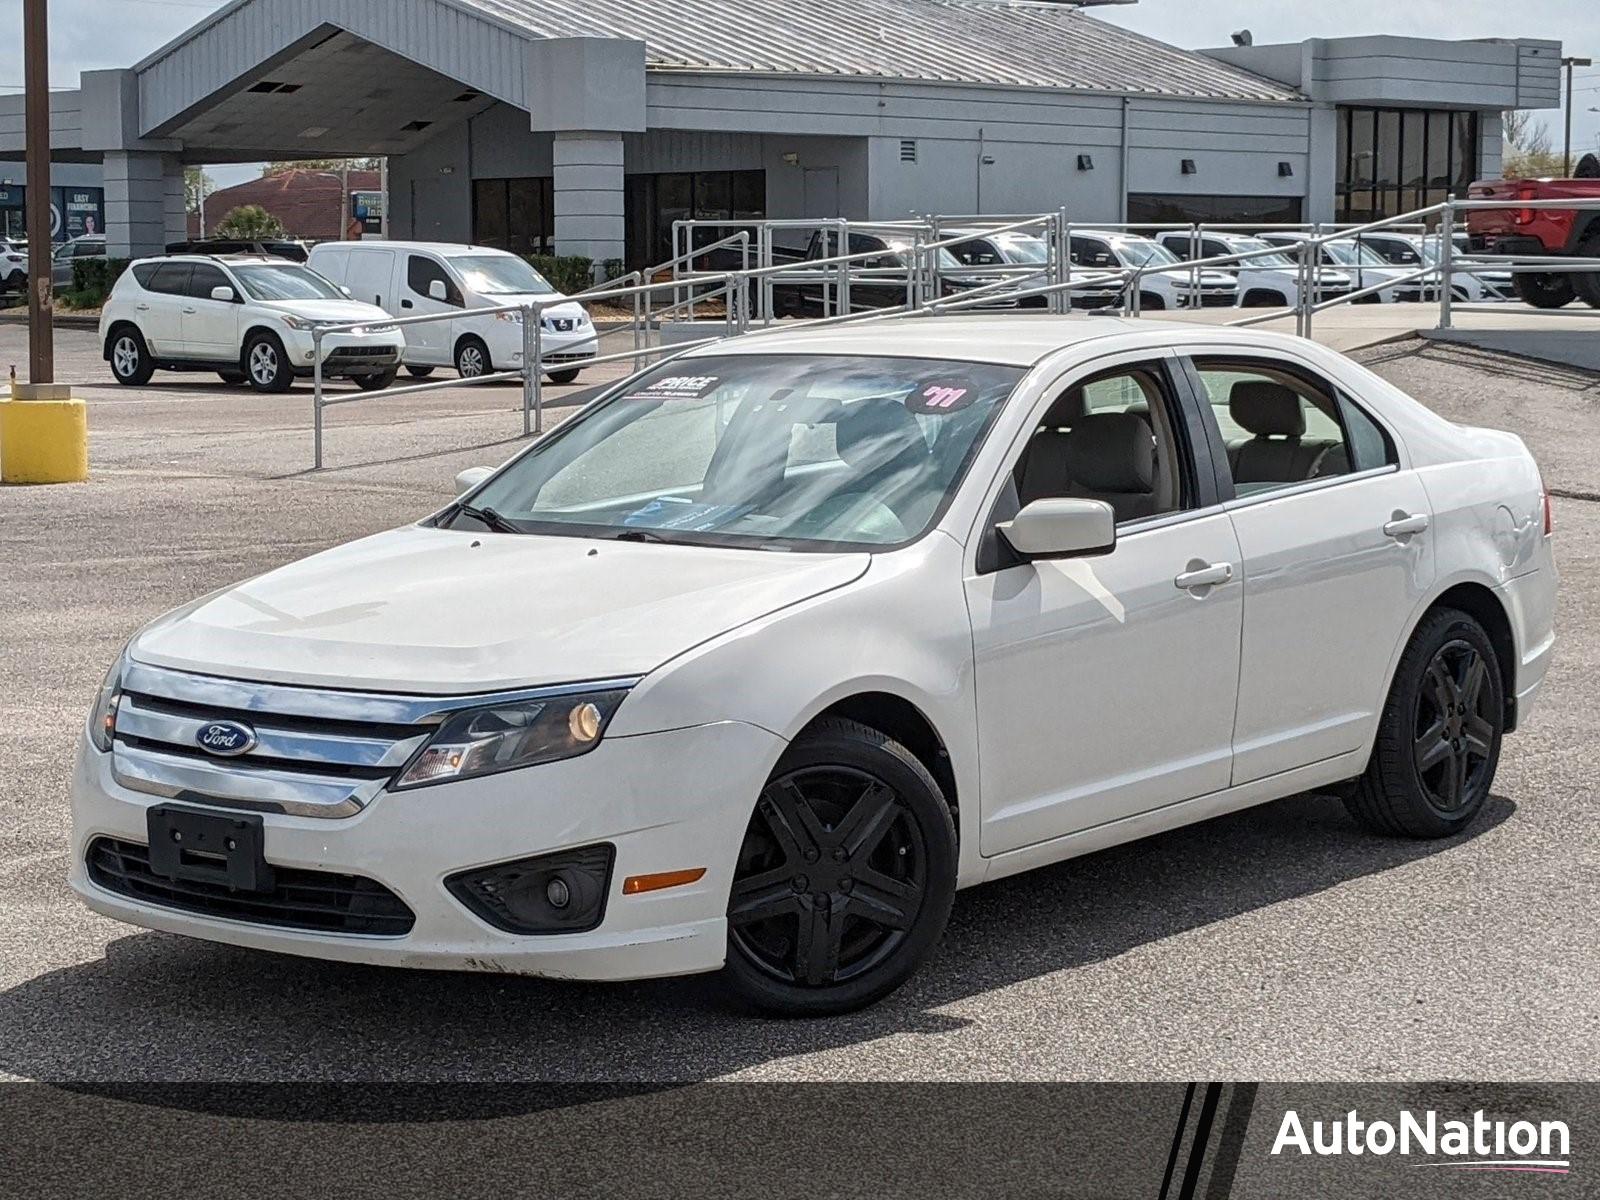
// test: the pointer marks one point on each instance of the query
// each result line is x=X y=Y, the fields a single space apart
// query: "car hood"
x=569 y=308
x=442 y=612
x=331 y=311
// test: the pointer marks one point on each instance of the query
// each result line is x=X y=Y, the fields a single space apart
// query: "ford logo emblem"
x=226 y=738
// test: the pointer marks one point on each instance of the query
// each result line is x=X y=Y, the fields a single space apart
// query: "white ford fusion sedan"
x=755 y=661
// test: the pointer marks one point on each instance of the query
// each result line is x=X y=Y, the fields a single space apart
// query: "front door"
x=1106 y=685
x=210 y=327
x=433 y=341
x=1335 y=537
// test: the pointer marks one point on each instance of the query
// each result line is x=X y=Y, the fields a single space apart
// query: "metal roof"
x=1015 y=43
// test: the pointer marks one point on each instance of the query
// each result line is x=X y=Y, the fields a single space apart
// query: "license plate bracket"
x=195 y=846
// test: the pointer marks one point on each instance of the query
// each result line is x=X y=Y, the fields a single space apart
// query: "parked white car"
x=249 y=319
x=411 y=279
x=1365 y=268
x=1411 y=251
x=755 y=661
x=1266 y=281
x=13 y=265
x=1098 y=248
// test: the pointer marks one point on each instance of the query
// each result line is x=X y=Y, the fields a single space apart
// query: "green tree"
x=249 y=221
x=196 y=185
x=320 y=164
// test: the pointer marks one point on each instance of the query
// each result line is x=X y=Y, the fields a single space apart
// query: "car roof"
x=1015 y=340
x=442 y=249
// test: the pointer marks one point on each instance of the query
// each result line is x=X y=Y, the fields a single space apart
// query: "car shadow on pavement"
x=165 y=1008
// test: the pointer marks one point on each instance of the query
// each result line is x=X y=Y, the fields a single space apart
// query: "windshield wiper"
x=637 y=535
x=488 y=517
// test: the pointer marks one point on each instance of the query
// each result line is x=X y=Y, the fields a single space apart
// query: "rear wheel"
x=1544 y=290
x=472 y=358
x=266 y=364
x=846 y=876
x=1439 y=739
x=1587 y=283
x=130 y=357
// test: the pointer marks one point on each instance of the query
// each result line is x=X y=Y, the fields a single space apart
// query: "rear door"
x=159 y=312
x=1337 y=554
x=370 y=277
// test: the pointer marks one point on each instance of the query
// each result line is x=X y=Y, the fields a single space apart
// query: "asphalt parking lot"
x=1279 y=943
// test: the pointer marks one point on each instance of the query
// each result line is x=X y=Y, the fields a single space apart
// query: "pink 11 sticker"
x=936 y=398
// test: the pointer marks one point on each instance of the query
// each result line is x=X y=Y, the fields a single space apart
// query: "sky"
x=88 y=34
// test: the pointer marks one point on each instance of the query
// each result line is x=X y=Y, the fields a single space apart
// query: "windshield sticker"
x=677 y=512
x=674 y=387
x=941 y=397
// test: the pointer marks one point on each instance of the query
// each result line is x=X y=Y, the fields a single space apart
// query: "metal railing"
x=747 y=293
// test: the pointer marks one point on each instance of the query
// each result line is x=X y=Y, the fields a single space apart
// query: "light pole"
x=1566 y=152
x=36 y=85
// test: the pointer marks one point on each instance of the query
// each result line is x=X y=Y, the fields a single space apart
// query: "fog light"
x=563 y=892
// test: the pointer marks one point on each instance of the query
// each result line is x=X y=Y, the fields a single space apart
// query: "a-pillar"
x=144 y=203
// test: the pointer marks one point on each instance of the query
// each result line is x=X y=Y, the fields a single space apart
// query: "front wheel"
x=419 y=372
x=232 y=378
x=846 y=876
x=472 y=358
x=267 y=365
x=375 y=383
x=1544 y=289
x=564 y=376
x=1439 y=738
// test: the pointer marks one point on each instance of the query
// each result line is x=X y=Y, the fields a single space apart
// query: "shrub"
x=567 y=273
x=92 y=281
x=249 y=221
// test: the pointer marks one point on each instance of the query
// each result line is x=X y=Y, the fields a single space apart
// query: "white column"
x=588 y=190
x=144 y=202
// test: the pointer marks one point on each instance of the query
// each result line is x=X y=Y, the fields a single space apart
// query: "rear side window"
x=144 y=273
x=1370 y=447
x=421 y=272
x=170 y=279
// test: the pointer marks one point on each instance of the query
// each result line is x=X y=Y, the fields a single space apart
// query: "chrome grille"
x=317 y=752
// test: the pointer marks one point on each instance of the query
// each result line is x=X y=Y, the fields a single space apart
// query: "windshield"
x=1243 y=245
x=1348 y=254
x=768 y=451
x=285 y=281
x=500 y=275
x=1141 y=253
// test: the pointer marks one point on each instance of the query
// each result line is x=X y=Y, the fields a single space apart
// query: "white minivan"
x=411 y=279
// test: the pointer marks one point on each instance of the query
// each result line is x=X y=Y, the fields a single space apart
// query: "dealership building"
x=588 y=128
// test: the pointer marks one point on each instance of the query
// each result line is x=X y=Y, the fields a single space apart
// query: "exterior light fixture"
x=1187 y=166
x=1285 y=170
x=1085 y=162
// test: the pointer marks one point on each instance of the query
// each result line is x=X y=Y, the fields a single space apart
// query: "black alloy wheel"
x=1439 y=738
x=1544 y=289
x=845 y=878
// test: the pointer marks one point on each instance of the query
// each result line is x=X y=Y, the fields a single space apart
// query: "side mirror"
x=437 y=290
x=472 y=477
x=222 y=292
x=1062 y=528
x=346 y=290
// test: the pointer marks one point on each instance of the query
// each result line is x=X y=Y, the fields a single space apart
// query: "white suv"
x=248 y=318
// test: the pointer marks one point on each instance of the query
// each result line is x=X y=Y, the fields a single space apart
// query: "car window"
x=977 y=254
x=285 y=281
x=63 y=252
x=203 y=277
x=1283 y=426
x=779 y=452
x=1091 y=252
x=421 y=272
x=144 y=272
x=89 y=249
x=1111 y=437
x=170 y=279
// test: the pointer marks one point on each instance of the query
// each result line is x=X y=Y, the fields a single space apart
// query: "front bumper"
x=649 y=796
x=556 y=348
x=345 y=354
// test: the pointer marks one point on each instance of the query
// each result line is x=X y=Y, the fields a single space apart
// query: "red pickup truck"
x=1542 y=232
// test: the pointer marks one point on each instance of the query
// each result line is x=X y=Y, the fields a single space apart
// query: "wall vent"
x=908 y=150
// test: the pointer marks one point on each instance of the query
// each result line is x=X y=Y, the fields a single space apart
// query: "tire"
x=130 y=357
x=1432 y=766
x=1150 y=302
x=419 y=372
x=1587 y=283
x=1261 y=298
x=1543 y=290
x=233 y=378
x=375 y=383
x=472 y=358
x=564 y=376
x=880 y=904
x=266 y=365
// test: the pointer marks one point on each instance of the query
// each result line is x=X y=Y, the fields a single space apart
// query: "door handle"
x=1404 y=525
x=188 y=312
x=1210 y=575
x=141 y=308
x=407 y=304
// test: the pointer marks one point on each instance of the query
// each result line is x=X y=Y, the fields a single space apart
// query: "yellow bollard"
x=44 y=435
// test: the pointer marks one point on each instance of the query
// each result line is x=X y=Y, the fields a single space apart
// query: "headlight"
x=484 y=741
x=103 y=718
x=509 y=314
x=300 y=323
